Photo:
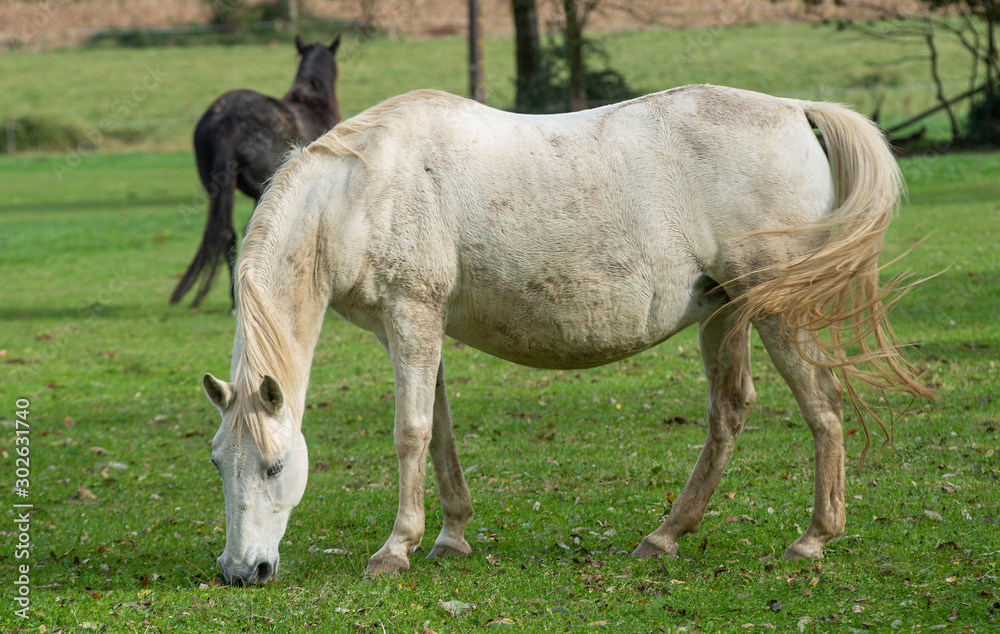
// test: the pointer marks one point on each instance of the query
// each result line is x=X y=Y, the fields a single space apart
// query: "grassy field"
x=150 y=98
x=568 y=470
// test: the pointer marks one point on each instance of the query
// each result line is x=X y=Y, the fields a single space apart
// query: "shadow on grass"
x=96 y=205
x=84 y=312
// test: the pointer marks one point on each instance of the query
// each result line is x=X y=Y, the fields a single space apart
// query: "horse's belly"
x=572 y=324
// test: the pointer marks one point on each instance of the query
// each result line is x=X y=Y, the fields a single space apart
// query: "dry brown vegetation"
x=54 y=23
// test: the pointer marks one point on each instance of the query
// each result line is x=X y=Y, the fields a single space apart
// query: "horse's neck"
x=313 y=109
x=295 y=308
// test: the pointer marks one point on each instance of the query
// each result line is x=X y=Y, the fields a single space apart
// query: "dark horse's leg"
x=218 y=169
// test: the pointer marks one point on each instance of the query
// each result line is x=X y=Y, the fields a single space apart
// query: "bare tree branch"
x=932 y=46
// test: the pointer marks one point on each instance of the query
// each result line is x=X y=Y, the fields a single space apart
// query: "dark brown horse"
x=240 y=142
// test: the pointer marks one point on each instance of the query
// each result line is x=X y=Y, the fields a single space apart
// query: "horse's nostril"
x=263 y=572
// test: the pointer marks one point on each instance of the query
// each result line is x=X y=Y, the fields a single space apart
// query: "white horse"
x=562 y=241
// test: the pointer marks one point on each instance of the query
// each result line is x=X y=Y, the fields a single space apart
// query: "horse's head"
x=261 y=455
x=317 y=75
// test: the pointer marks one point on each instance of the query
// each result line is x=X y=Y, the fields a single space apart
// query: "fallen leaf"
x=504 y=622
x=85 y=495
x=456 y=608
x=100 y=451
x=934 y=516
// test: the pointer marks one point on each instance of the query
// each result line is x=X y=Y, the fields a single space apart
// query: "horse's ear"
x=299 y=44
x=270 y=395
x=335 y=45
x=219 y=392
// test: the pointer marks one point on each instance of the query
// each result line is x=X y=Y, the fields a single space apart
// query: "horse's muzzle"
x=261 y=573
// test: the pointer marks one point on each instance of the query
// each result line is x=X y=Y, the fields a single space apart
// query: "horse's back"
x=254 y=130
x=688 y=167
x=695 y=149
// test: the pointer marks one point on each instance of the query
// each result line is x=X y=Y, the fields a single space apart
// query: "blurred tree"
x=560 y=76
x=975 y=25
x=576 y=12
x=528 y=51
x=977 y=30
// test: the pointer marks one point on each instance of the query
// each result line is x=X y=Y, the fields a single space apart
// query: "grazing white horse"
x=562 y=241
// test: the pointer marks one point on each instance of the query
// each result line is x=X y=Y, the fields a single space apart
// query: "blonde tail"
x=836 y=287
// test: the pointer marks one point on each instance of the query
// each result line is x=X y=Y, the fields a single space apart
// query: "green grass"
x=568 y=470
x=150 y=98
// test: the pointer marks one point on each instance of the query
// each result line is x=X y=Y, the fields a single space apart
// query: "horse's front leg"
x=414 y=337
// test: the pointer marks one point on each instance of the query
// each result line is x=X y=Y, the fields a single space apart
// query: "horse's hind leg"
x=456 y=503
x=819 y=395
x=725 y=353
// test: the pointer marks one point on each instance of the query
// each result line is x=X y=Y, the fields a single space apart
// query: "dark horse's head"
x=316 y=82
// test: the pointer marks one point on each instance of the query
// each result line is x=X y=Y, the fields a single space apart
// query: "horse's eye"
x=273 y=470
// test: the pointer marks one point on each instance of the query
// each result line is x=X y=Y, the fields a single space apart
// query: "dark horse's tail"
x=218 y=175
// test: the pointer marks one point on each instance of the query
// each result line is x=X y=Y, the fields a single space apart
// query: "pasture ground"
x=568 y=470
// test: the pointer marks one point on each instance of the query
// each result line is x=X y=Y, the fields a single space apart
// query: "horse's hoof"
x=647 y=549
x=442 y=550
x=804 y=549
x=386 y=565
